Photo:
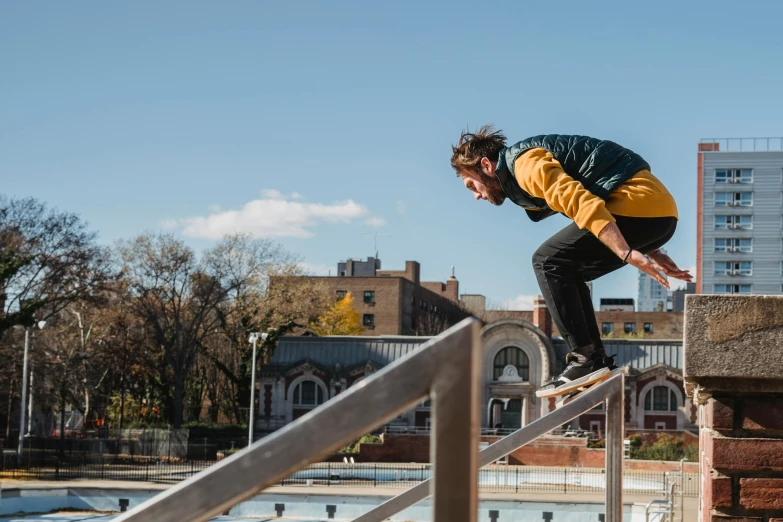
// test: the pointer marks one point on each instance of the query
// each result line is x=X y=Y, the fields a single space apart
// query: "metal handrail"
x=612 y=391
x=445 y=368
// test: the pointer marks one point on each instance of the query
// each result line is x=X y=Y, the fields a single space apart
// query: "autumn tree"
x=48 y=260
x=342 y=318
x=269 y=295
x=176 y=295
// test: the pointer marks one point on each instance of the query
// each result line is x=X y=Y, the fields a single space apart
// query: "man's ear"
x=486 y=165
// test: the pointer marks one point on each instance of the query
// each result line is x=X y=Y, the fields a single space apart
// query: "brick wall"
x=556 y=452
x=733 y=348
x=742 y=444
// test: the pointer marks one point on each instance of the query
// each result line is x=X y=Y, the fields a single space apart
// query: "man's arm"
x=656 y=265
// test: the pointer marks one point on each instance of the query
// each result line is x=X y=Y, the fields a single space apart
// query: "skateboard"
x=570 y=396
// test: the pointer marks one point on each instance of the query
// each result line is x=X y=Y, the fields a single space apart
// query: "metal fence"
x=519 y=479
x=490 y=479
x=152 y=443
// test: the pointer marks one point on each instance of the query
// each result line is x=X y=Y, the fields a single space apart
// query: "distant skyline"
x=319 y=125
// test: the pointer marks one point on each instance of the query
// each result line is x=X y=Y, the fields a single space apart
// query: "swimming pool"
x=291 y=507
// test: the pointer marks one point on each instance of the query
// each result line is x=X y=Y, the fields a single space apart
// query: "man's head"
x=475 y=157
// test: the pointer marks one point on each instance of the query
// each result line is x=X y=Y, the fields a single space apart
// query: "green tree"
x=342 y=318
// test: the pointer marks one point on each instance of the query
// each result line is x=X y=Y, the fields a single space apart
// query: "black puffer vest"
x=601 y=166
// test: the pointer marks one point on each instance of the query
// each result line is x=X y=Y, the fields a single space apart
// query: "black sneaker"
x=575 y=376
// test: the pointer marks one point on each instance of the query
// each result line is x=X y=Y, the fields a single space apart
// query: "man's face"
x=484 y=185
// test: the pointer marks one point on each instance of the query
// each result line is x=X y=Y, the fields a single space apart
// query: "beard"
x=495 y=194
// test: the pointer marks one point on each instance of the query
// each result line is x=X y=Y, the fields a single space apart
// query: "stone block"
x=763 y=413
x=733 y=337
x=741 y=454
x=729 y=518
x=761 y=494
x=720 y=414
x=721 y=493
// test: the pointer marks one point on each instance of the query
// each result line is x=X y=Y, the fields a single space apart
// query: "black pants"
x=573 y=256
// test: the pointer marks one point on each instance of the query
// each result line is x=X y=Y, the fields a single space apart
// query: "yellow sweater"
x=539 y=174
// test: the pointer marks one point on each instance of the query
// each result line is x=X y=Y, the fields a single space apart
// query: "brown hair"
x=486 y=142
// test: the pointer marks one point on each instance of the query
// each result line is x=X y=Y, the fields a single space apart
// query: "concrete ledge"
x=733 y=343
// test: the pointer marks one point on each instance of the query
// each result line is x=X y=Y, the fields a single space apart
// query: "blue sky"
x=319 y=122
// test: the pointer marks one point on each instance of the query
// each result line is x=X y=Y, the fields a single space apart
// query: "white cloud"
x=375 y=222
x=520 y=302
x=168 y=224
x=316 y=269
x=214 y=208
x=272 y=194
x=401 y=207
x=296 y=195
x=272 y=217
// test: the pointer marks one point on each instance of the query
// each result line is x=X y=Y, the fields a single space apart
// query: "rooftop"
x=741 y=144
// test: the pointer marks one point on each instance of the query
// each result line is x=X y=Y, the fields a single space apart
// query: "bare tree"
x=177 y=297
x=268 y=295
x=48 y=259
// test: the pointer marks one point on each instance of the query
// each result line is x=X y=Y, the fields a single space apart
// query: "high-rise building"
x=740 y=216
x=678 y=297
x=652 y=294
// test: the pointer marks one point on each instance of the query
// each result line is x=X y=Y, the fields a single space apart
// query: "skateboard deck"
x=595 y=377
x=570 y=396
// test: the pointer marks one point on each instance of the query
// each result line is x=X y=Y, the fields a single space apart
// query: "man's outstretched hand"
x=658 y=265
x=669 y=267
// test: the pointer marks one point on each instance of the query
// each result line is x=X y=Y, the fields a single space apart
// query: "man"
x=621 y=214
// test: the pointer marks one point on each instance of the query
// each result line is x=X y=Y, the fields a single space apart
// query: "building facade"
x=740 y=216
x=678 y=297
x=652 y=294
x=614 y=304
x=396 y=302
x=517 y=358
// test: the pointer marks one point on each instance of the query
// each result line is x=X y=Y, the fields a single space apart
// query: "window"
x=734 y=199
x=734 y=176
x=648 y=328
x=368 y=320
x=733 y=245
x=734 y=222
x=513 y=356
x=308 y=393
x=629 y=328
x=660 y=426
x=341 y=294
x=732 y=289
x=741 y=268
x=369 y=297
x=660 y=398
x=607 y=328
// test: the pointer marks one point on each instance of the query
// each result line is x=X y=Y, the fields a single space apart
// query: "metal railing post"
x=454 y=452
x=615 y=435
x=583 y=403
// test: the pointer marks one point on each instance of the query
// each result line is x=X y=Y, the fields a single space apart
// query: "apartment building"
x=740 y=216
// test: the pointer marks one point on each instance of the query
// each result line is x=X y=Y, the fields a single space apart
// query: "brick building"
x=396 y=302
x=647 y=325
x=519 y=356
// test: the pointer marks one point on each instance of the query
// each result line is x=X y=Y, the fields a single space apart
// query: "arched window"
x=660 y=398
x=515 y=357
x=308 y=393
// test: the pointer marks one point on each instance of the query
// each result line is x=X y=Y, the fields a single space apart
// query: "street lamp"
x=20 y=446
x=253 y=339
